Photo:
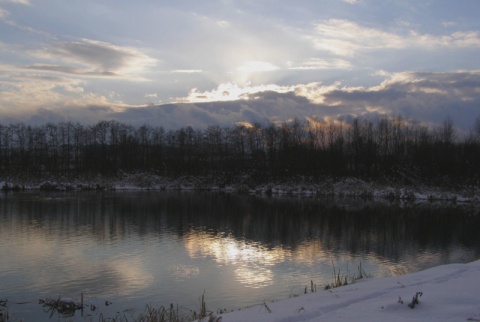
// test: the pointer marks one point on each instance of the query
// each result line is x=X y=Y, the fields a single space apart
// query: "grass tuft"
x=66 y=308
x=342 y=280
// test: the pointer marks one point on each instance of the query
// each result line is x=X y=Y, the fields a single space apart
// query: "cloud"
x=346 y=38
x=321 y=64
x=187 y=71
x=24 y=2
x=429 y=97
x=53 y=86
x=27 y=96
x=97 y=57
x=267 y=106
x=3 y=14
x=426 y=97
x=230 y=92
x=449 y=24
x=86 y=114
x=70 y=70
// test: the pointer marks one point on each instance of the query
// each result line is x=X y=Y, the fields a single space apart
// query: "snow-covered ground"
x=445 y=293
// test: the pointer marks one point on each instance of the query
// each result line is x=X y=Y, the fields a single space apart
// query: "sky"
x=218 y=62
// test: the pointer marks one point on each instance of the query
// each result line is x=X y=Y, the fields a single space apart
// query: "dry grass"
x=341 y=280
x=162 y=314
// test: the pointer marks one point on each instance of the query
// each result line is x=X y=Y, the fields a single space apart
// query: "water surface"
x=138 y=248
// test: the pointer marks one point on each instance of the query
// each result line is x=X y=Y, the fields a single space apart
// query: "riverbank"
x=297 y=187
x=444 y=293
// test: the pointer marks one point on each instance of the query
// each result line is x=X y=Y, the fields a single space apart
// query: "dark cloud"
x=86 y=115
x=43 y=116
x=46 y=78
x=69 y=70
x=429 y=97
x=262 y=107
x=104 y=55
x=91 y=58
x=425 y=97
x=365 y=97
x=52 y=68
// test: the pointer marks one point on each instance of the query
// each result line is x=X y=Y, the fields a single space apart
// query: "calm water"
x=139 y=248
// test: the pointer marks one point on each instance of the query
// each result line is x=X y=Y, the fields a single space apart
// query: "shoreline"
x=440 y=293
x=349 y=187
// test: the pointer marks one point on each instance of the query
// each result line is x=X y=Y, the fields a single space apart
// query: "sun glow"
x=256 y=66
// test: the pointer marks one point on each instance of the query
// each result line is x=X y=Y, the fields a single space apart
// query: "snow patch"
x=444 y=293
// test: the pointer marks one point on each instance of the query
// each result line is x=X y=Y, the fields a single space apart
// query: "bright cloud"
x=24 y=95
x=230 y=92
x=346 y=38
x=321 y=64
x=24 y=2
x=187 y=71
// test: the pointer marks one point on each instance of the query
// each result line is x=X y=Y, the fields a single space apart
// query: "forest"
x=387 y=147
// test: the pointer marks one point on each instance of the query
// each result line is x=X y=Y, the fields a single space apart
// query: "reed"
x=4 y=315
x=342 y=280
x=361 y=273
x=67 y=307
x=170 y=314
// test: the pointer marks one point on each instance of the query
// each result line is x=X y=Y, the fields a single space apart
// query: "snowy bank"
x=295 y=186
x=445 y=293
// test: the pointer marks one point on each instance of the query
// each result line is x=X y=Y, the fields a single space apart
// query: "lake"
x=133 y=249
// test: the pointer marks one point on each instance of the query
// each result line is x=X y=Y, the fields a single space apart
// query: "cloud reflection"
x=182 y=271
x=132 y=273
x=54 y=267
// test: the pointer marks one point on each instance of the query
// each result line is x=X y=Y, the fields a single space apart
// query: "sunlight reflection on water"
x=252 y=261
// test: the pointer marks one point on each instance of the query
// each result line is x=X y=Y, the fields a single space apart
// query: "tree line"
x=384 y=147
